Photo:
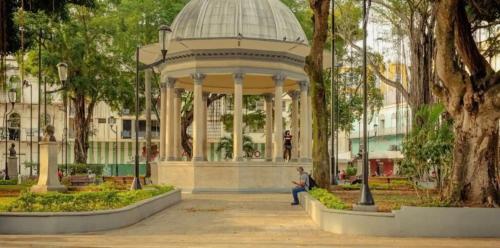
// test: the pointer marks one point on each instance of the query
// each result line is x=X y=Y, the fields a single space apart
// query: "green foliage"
x=327 y=198
x=429 y=146
x=226 y=145
x=253 y=118
x=82 y=201
x=98 y=44
x=351 y=171
x=8 y=182
x=349 y=100
x=5 y=202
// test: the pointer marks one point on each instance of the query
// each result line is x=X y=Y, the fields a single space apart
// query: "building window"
x=101 y=120
x=126 y=129
x=142 y=128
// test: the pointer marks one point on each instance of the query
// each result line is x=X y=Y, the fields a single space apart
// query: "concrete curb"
x=407 y=222
x=81 y=222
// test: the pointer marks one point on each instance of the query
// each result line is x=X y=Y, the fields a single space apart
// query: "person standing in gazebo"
x=287 y=138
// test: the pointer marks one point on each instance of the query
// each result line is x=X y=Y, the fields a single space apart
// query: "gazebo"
x=234 y=47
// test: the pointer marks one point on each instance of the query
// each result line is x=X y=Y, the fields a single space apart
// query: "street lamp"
x=12 y=95
x=112 y=122
x=164 y=41
x=27 y=84
x=62 y=69
x=366 y=198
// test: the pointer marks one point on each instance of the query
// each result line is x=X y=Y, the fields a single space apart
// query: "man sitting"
x=301 y=185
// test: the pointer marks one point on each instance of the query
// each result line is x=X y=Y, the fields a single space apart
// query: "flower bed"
x=98 y=198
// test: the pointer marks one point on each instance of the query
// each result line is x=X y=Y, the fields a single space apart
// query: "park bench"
x=82 y=180
x=122 y=180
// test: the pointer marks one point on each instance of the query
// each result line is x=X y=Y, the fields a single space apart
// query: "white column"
x=170 y=156
x=269 y=127
x=177 y=124
x=304 y=131
x=295 y=124
x=278 y=117
x=238 y=117
x=205 y=125
x=163 y=120
x=147 y=83
x=198 y=116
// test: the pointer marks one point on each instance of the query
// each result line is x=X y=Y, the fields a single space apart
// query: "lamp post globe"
x=12 y=96
x=164 y=39
x=62 y=69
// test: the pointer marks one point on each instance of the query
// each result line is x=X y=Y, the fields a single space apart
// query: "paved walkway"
x=230 y=220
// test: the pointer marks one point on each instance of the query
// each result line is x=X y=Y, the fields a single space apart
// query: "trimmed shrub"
x=102 y=199
x=8 y=182
x=327 y=198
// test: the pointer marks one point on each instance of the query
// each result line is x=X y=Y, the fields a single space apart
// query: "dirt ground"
x=230 y=220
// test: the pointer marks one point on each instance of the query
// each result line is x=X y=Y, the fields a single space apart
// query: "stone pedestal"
x=48 y=179
x=12 y=165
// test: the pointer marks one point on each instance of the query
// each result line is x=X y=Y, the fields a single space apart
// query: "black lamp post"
x=164 y=41
x=366 y=198
x=11 y=94
x=333 y=179
x=27 y=84
x=62 y=69
x=111 y=123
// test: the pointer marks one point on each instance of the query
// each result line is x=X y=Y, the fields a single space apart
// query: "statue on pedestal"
x=12 y=150
x=48 y=133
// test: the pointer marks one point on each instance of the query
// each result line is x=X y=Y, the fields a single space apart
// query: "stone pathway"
x=230 y=220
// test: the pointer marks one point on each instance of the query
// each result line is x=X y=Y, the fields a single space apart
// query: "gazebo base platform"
x=222 y=176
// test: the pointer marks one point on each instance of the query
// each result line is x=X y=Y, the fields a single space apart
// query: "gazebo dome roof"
x=258 y=19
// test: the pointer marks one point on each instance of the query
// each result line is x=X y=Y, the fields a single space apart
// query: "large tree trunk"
x=314 y=68
x=422 y=49
x=472 y=98
x=82 y=121
x=475 y=165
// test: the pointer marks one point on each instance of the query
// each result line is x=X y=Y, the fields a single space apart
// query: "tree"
x=470 y=91
x=414 y=20
x=428 y=148
x=187 y=117
x=253 y=119
x=98 y=44
x=314 y=69
x=11 y=40
x=94 y=74
x=350 y=95
x=226 y=145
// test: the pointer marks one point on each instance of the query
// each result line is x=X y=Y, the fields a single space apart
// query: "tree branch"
x=447 y=69
x=397 y=12
x=467 y=48
x=397 y=85
x=56 y=90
